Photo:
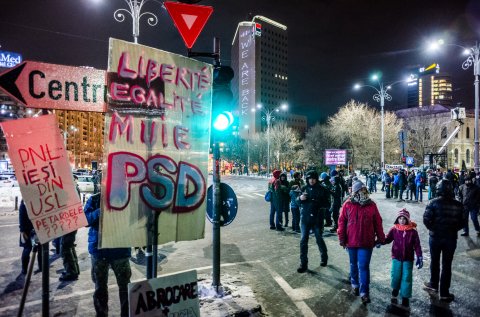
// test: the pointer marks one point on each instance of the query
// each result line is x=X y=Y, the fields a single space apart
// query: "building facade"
x=260 y=62
x=428 y=87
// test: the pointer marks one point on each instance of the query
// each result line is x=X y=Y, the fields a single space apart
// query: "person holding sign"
x=26 y=234
x=103 y=259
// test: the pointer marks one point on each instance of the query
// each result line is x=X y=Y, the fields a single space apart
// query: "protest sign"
x=38 y=155
x=335 y=157
x=156 y=145
x=169 y=295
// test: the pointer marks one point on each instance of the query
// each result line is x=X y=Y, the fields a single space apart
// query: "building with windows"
x=260 y=62
x=428 y=87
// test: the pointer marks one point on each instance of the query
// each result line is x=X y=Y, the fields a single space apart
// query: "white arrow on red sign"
x=50 y=86
x=189 y=19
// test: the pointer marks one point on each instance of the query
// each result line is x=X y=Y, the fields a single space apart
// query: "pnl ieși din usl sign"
x=9 y=59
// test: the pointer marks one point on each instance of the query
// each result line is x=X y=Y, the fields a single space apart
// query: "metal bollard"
x=16 y=203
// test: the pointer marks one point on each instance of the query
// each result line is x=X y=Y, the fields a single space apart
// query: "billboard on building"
x=246 y=72
x=9 y=59
x=157 y=137
x=335 y=157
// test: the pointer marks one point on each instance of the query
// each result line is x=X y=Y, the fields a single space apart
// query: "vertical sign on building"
x=246 y=72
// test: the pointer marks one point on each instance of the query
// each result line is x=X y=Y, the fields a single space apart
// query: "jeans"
x=474 y=216
x=401 y=193
x=121 y=268
x=413 y=193
x=419 y=193
x=275 y=216
x=387 y=191
x=318 y=230
x=295 y=218
x=444 y=247
x=402 y=277
x=395 y=191
x=360 y=267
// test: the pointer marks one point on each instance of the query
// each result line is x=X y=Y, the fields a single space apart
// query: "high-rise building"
x=260 y=62
x=428 y=87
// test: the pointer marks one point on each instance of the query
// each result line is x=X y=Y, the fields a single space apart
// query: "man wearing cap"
x=359 y=230
x=314 y=201
x=443 y=218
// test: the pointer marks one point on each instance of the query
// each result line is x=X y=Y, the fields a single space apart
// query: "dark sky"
x=332 y=43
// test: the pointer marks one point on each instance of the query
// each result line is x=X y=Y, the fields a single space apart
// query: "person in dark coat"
x=402 y=183
x=432 y=185
x=443 y=218
x=26 y=234
x=282 y=195
x=412 y=187
x=314 y=201
x=336 y=200
x=469 y=196
x=405 y=243
x=388 y=185
x=275 y=212
x=102 y=259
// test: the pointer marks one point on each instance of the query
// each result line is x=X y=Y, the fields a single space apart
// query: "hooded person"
x=336 y=200
x=314 y=201
x=469 y=196
x=406 y=243
x=275 y=212
x=359 y=230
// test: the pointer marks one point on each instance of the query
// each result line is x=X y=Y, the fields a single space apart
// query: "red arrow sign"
x=50 y=86
x=189 y=19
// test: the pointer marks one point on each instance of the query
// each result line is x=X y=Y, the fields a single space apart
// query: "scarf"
x=409 y=226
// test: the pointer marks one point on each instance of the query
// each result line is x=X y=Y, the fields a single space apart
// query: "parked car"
x=81 y=171
x=85 y=183
x=7 y=180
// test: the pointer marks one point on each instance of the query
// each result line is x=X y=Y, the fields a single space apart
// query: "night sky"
x=332 y=44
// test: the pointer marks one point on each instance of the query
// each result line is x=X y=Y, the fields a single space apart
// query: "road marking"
x=291 y=292
x=9 y=225
x=261 y=195
x=9 y=259
x=466 y=277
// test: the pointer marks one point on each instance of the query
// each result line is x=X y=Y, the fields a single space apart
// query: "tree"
x=317 y=139
x=284 y=145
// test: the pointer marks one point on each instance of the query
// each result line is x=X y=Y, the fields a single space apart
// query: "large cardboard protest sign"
x=169 y=295
x=38 y=154
x=156 y=145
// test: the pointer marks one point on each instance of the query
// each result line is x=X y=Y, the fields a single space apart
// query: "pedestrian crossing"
x=250 y=195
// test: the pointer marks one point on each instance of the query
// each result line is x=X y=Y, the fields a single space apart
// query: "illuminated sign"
x=335 y=157
x=9 y=59
x=246 y=71
x=432 y=69
x=258 y=29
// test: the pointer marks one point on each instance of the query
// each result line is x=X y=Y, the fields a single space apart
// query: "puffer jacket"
x=92 y=212
x=469 y=196
x=360 y=226
x=405 y=243
x=313 y=208
x=444 y=217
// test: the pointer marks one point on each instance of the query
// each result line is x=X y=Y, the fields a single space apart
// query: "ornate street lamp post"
x=135 y=12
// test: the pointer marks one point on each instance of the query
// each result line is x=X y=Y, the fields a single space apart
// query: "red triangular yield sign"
x=189 y=19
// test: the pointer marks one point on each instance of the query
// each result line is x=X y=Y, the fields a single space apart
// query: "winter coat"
x=92 y=212
x=469 y=196
x=444 y=216
x=402 y=181
x=405 y=242
x=388 y=179
x=318 y=198
x=25 y=224
x=293 y=199
x=432 y=181
x=418 y=180
x=337 y=193
x=281 y=197
x=360 y=226
x=396 y=178
x=411 y=182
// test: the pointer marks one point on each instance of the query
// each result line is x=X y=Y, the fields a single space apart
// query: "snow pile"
x=233 y=297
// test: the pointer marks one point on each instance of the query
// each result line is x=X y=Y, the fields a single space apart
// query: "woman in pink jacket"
x=359 y=230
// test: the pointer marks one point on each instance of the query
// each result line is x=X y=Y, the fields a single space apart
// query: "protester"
x=102 y=259
x=388 y=183
x=405 y=243
x=402 y=183
x=314 y=201
x=282 y=189
x=469 y=196
x=275 y=212
x=419 y=186
x=443 y=217
x=336 y=200
x=395 y=186
x=412 y=187
x=432 y=185
x=295 y=191
x=326 y=184
x=26 y=234
x=359 y=230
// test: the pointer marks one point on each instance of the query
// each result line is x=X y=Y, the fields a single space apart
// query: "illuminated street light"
x=269 y=117
x=472 y=54
x=135 y=12
x=380 y=96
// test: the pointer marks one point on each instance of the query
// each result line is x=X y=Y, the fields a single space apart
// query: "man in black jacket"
x=469 y=196
x=443 y=217
x=314 y=201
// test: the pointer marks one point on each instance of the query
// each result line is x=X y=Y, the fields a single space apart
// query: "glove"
x=419 y=262
x=342 y=244
x=378 y=245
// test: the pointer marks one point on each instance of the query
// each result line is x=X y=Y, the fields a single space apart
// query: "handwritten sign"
x=335 y=157
x=37 y=152
x=156 y=145
x=169 y=295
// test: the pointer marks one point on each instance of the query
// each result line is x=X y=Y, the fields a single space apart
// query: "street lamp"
x=381 y=95
x=473 y=58
x=269 y=116
x=135 y=11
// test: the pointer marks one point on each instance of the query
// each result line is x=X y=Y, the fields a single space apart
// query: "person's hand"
x=378 y=245
x=419 y=262
x=303 y=197
x=342 y=244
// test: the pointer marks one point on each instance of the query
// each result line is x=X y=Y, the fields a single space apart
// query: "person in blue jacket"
x=419 y=184
x=102 y=259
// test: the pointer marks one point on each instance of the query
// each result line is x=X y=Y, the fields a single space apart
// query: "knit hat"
x=403 y=213
x=357 y=185
x=333 y=173
x=276 y=174
x=323 y=175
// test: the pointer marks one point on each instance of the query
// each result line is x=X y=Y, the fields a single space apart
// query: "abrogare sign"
x=9 y=59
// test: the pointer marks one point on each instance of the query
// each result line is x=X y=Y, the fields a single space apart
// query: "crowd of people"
x=346 y=206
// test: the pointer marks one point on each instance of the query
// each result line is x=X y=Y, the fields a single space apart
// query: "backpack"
x=268 y=196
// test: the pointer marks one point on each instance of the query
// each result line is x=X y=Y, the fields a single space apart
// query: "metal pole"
x=45 y=280
x=268 y=144
x=155 y=245
x=476 y=72
x=248 y=153
x=382 y=103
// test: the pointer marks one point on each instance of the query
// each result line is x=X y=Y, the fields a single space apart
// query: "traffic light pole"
x=216 y=181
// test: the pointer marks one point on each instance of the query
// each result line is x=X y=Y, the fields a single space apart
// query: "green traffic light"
x=223 y=121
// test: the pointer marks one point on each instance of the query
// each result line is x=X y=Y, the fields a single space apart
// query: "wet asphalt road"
x=268 y=260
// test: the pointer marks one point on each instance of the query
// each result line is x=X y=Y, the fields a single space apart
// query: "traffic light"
x=222 y=115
